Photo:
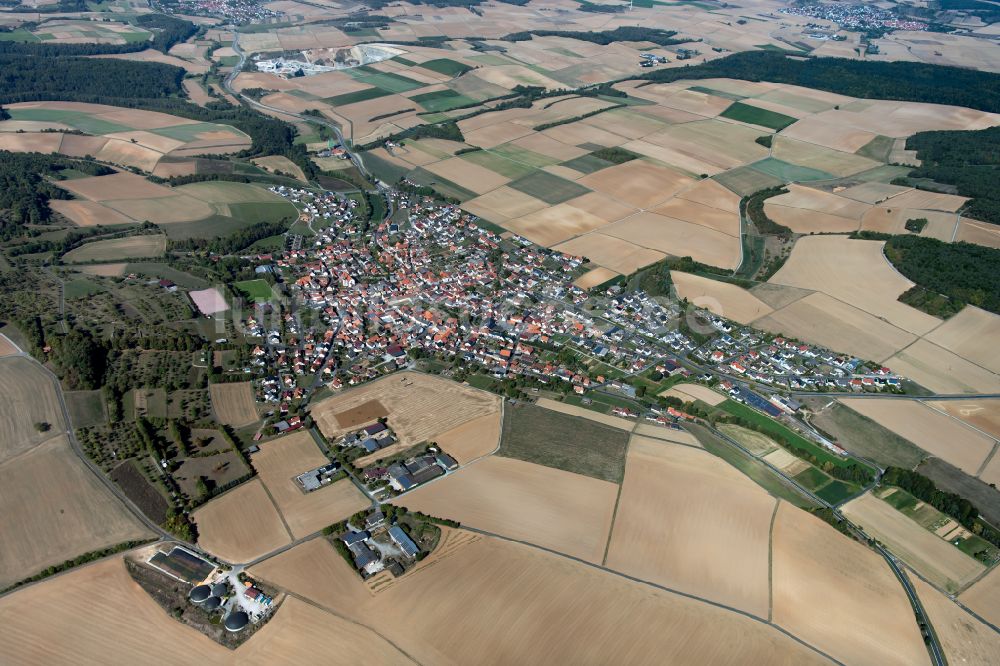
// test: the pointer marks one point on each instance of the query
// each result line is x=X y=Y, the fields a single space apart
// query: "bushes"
x=755 y=212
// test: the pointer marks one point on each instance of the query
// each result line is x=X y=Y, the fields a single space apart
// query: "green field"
x=84 y=122
x=524 y=155
x=812 y=478
x=356 y=96
x=393 y=83
x=255 y=290
x=757 y=116
x=787 y=172
x=19 y=35
x=542 y=436
x=587 y=164
x=865 y=437
x=86 y=408
x=550 y=189
x=442 y=185
x=384 y=170
x=877 y=149
x=837 y=491
x=165 y=272
x=746 y=180
x=499 y=164
x=445 y=66
x=81 y=288
x=441 y=100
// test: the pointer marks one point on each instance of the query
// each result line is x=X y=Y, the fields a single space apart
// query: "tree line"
x=167 y=31
x=604 y=37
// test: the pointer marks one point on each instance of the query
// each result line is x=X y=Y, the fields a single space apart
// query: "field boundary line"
x=663 y=588
x=989 y=457
x=618 y=498
x=962 y=423
x=770 y=561
x=284 y=523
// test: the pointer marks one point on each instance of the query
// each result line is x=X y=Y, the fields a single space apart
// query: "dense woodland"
x=969 y=160
x=961 y=272
x=605 y=37
x=905 y=81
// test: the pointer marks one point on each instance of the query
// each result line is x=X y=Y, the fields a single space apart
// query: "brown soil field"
x=984 y=596
x=234 y=404
x=700 y=103
x=87 y=213
x=803 y=221
x=467 y=174
x=682 y=514
x=104 y=270
x=777 y=295
x=75 y=145
x=854 y=272
x=508 y=589
x=601 y=206
x=889 y=220
x=554 y=225
x=811 y=199
x=594 y=277
x=934 y=432
x=314 y=569
x=116 y=186
x=30 y=142
x=473 y=439
x=174 y=208
x=54 y=508
x=695 y=213
x=7 y=348
x=823 y=320
x=494 y=135
x=786 y=461
x=156 y=142
x=900 y=119
x=549 y=147
x=934 y=558
x=421 y=407
x=844 y=138
x=583 y=412
x=836 y=594
x=964 y=639
x=149 y=55
x=569 y=513
x=637 y=183
x=982 y=414
x=576 y=134
x=196 y=92
x=612 y=253
x=241 y=524
x=722 y=298
x=279 y=163
x=873 y=193
x=169 y=169
x=625 y=122
x=923 y=199
x=699 y=392
x=280 y=461
x=663 y=433
x=361 y=415
x=678 y=238
x=119 y=248
x=129 y=154
x=980 y=233
x=941 y=371
x=723 y=144
x=34 y=126
x=27 y=396
x=972 y=334
x=681 y=157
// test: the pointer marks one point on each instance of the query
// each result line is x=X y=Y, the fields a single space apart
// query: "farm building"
x=405 y=543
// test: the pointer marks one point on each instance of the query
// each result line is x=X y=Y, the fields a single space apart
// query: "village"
x=437 y=285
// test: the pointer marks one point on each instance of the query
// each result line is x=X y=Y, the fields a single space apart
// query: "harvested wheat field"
x=720 y=220
x=148 y=245
x=115 y=186
x=666 y=434
x=699 y=392
x=88 y=213
x=583 y=412
x=550 y=226
x=982 y=414
x=724 y=299
x=278 y=463
x=984 y=596
x=678 y=238
x=837 y=595
x=964 y=639
x=980 y=233
x=53 y=508
x=938 y=434
x=889 y=220
x=276 y=163
x=637 y=183
x=594 y=277
x=97 y=614
x=473 y=439
x=935 y=559
x=569 y=513
x=30 y=142
x=682 y=515
x=421 y=407
x=104 y=270
x=28 y=395
x=7 y=348
x=502 y=204
x=233 y=403
x=857 y=273
x=241 y=525
x=753 y=441
x=315 y=569
x=941 y=371
x=972 y=334
x=612 y=253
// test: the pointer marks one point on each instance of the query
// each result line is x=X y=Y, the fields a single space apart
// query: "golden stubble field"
x=569 y=513
x=682 y=517
x=934 y=558
x=278 y=463
x=234 y=403
x=964 y=639
x=421 y=407
x=838 y=595
x=242 y=524
x=27 y=396
x=984 y=596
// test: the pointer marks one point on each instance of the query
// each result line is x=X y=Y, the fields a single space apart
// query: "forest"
x=969 y=160
x=904 y=81
x=605 y=37
x=962 y=272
